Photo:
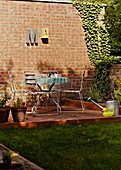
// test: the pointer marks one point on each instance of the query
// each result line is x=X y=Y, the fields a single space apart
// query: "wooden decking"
x=89 y=116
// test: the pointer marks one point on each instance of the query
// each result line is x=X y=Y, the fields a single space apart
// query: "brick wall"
x=66 y=48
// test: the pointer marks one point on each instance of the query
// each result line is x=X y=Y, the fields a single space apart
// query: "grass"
x=68 y=147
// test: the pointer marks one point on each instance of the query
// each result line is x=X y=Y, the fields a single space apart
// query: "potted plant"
x=4 y=110
x=18 y=111
x=8 y=164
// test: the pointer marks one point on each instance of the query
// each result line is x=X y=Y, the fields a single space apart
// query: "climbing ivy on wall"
x=97 y=41
x=96 y=36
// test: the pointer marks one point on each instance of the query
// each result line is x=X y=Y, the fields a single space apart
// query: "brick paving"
x=89 y=116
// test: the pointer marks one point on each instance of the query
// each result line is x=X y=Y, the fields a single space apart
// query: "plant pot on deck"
x=18 y=114
x=4 y=114
x=13 y=166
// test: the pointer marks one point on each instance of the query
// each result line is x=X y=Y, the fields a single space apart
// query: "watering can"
x=110 y=109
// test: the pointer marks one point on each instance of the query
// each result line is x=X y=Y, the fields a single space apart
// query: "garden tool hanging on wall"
x=106 y=111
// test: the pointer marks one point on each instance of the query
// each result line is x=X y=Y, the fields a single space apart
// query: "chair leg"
x=81 y=100
x=57 y=103
x=59 y=109
x=12 y=98
x=26 y=100
x=35 y=107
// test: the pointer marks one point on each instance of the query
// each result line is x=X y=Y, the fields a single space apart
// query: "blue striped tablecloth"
x=48 y=80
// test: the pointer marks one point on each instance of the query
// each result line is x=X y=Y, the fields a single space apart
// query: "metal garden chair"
x=79 y=92
x=13 y=89
x=30 y=79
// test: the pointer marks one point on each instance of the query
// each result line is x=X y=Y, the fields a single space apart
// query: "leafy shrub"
x=3 y=99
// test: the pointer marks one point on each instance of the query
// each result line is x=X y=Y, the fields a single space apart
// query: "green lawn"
x=68 y=147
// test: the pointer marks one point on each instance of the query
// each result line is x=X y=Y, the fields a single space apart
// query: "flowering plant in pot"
x=8 y=164
x=4 y=109
x=18 y=110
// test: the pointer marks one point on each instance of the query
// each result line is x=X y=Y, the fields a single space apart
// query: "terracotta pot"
x=4 y=114
x=13 y=166
x=18 y=114
x=7 y=113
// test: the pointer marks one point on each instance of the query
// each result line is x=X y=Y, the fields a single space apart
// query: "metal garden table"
x=50 y=82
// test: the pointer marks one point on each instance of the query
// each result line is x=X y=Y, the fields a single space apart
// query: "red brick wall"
x=65 y=52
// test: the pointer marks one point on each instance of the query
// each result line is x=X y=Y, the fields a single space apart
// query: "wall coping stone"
x=49 y=1
x=53 y=1
x=115 y=66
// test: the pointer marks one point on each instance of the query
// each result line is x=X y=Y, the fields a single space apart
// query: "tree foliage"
x=113 y=21
x=113 y=18
x=97 y=41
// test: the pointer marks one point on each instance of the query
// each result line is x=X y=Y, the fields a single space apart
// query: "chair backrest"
x=82 y=80
x=47 y=73
x=11 y=82
x=30 y=77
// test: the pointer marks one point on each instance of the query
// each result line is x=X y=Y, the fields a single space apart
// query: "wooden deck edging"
x=88 y=105
x=60 y=122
